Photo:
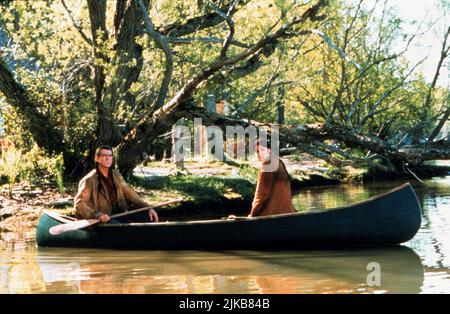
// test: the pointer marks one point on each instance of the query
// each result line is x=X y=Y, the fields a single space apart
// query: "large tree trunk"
x=105 y=122
x=127 y=25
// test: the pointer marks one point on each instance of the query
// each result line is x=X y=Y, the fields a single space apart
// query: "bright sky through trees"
x=420 y=14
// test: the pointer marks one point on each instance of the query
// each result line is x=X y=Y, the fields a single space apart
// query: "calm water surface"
x=421 y=265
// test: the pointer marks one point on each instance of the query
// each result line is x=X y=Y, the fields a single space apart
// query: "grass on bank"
x=199 y=189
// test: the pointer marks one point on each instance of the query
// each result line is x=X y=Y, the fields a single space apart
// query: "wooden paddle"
x=83 y=223
x=234 y=217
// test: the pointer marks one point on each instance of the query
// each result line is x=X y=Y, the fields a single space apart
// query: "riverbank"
x=208 y=188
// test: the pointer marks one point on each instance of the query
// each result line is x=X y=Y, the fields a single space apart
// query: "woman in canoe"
x=273 y=189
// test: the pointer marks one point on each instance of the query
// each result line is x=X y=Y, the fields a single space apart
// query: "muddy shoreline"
x=226 y=193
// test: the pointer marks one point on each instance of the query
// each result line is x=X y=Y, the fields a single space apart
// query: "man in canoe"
x=273 y=188
x=104 y=192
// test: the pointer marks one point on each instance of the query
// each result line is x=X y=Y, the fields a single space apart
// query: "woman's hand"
x=153 y=215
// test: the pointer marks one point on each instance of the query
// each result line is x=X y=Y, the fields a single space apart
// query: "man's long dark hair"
x=97 y=154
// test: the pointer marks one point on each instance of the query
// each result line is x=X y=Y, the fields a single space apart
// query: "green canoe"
x=386 y=219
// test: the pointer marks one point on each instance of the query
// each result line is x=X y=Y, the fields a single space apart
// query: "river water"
x=421 y=265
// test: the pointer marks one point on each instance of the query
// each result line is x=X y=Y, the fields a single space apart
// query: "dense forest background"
x=78 y=73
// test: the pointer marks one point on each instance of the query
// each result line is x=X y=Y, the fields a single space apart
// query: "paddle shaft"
x=80 y=224
x=146 y=208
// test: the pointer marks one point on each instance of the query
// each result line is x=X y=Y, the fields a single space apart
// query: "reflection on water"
x=421 y=265
x=105 y=271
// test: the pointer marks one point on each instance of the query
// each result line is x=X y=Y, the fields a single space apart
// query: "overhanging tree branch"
x=302 y=136
x=444 y=54
x=76 y=24
x=229 y=20
x=212 y=40
x=188 y=89
x=198 y=23
x=44 y=132
x=163 y=118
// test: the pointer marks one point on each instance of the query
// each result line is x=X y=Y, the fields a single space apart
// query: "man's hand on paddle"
x=153 y=215
x=103 y=218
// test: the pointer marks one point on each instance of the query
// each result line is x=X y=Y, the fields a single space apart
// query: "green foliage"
x=319 y=75
x=57 y=169
x=57 y=67
x=10 y=166
x=13 y=128
x=36 y=166
x=32 y=166
x=248 y=172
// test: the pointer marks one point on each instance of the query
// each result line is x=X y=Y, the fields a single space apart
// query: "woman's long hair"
x=282 y=176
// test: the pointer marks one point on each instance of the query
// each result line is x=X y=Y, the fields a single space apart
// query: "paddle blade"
x=71 y=226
